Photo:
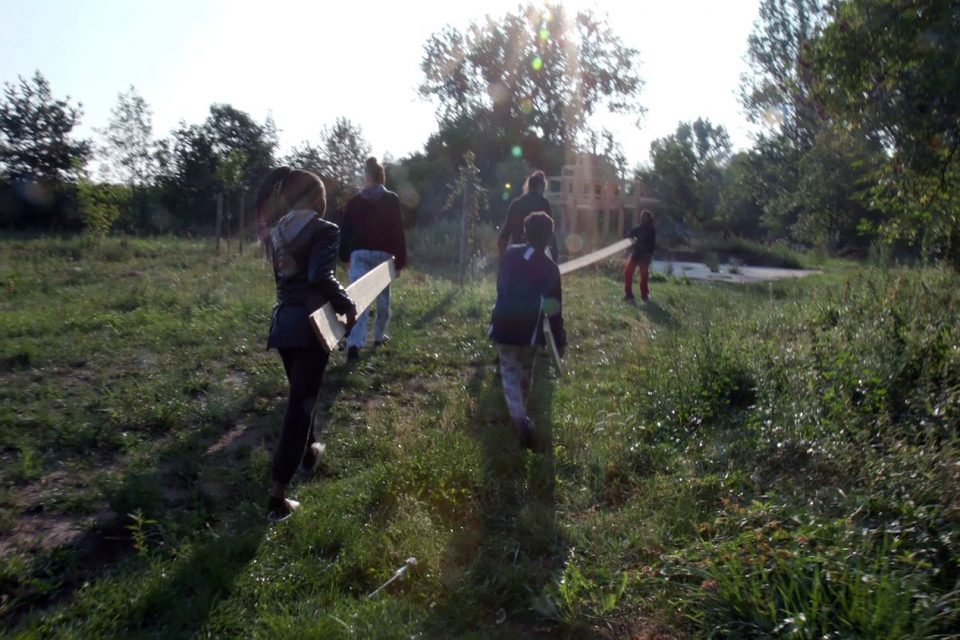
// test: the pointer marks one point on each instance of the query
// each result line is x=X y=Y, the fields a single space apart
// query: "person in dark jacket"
x=532 y=200
x=641 y=255
x=372 y=233
x=528 y=287
x=302 y=247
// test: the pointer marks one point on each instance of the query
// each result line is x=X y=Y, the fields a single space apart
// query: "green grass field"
x=779 y=460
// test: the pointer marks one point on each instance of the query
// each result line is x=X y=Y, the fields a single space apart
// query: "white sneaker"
x=311 y=458
x=279 y=509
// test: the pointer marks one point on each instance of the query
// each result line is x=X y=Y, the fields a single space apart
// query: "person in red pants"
x=645 y=239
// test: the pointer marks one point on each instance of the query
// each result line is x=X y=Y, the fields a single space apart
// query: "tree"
x=687 y=170
x=422 y=183
x=229 y=150
x=338 y=160
x=603 y=143
x=128 y=140
x=35 y=128
x=468 y=194
x=538 y=72
x=190 y=177
x=739 y=209
x=778 y=89
x=231 y=130
x=344 y=150
x=832 y=175
x=810 y=169
x=892 y=69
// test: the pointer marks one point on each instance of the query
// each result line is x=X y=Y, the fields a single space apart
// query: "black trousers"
x=304 y=369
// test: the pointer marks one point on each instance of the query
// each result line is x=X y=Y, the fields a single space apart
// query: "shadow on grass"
x=157 y=591
x=658 y=314
x=180 y=603
x=205 y=494
x=520 y=551
x=440 y=308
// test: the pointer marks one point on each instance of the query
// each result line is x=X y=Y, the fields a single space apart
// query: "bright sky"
x=308 y=62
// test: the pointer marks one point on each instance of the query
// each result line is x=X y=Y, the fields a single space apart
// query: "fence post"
x=219 y=219
x=463 y=233
x=243 y=198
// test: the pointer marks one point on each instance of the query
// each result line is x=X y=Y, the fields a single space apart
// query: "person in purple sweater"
x=528 y=287
x=371 y=234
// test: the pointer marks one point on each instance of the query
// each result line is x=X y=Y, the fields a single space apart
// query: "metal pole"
x=400 y=573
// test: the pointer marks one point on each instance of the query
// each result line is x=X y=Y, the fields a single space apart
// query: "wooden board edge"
x=586 y=260
x=552 y=344
x=328 y=328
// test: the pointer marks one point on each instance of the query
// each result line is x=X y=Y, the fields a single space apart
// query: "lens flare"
x=507 y=186
x=498 y=92
x=537 y=64
x=409 y=196
x=574 y=243
x=505 y=196
x=544 y=34
x=774 y=115
x=516 y=151
x=37 y=194
x=551 y=306
x=526 y=105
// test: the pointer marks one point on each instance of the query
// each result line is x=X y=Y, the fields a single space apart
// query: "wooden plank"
x=596 y=256
x=552 y=343
x=328 y=325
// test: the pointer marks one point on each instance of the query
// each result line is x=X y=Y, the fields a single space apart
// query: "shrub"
x=100 y=206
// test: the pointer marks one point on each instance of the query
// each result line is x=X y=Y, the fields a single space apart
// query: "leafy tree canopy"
x=538 y=71
x=35 y=128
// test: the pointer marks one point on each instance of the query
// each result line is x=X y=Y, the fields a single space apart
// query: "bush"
x=750 y=252
x=100 y=206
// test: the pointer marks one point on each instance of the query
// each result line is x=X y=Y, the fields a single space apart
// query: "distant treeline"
x=856 y=99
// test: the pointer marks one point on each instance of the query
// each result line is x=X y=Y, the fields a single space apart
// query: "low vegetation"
x=776 y=460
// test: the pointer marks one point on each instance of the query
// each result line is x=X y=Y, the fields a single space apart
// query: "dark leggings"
x=304 y=369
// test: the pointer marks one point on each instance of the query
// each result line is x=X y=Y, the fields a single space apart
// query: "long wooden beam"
x=596 y=256
x=329 y=327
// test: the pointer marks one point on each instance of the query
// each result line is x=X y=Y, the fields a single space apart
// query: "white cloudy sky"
x=308 y=62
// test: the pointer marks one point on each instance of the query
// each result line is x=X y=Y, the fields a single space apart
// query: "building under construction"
x=592 y=203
